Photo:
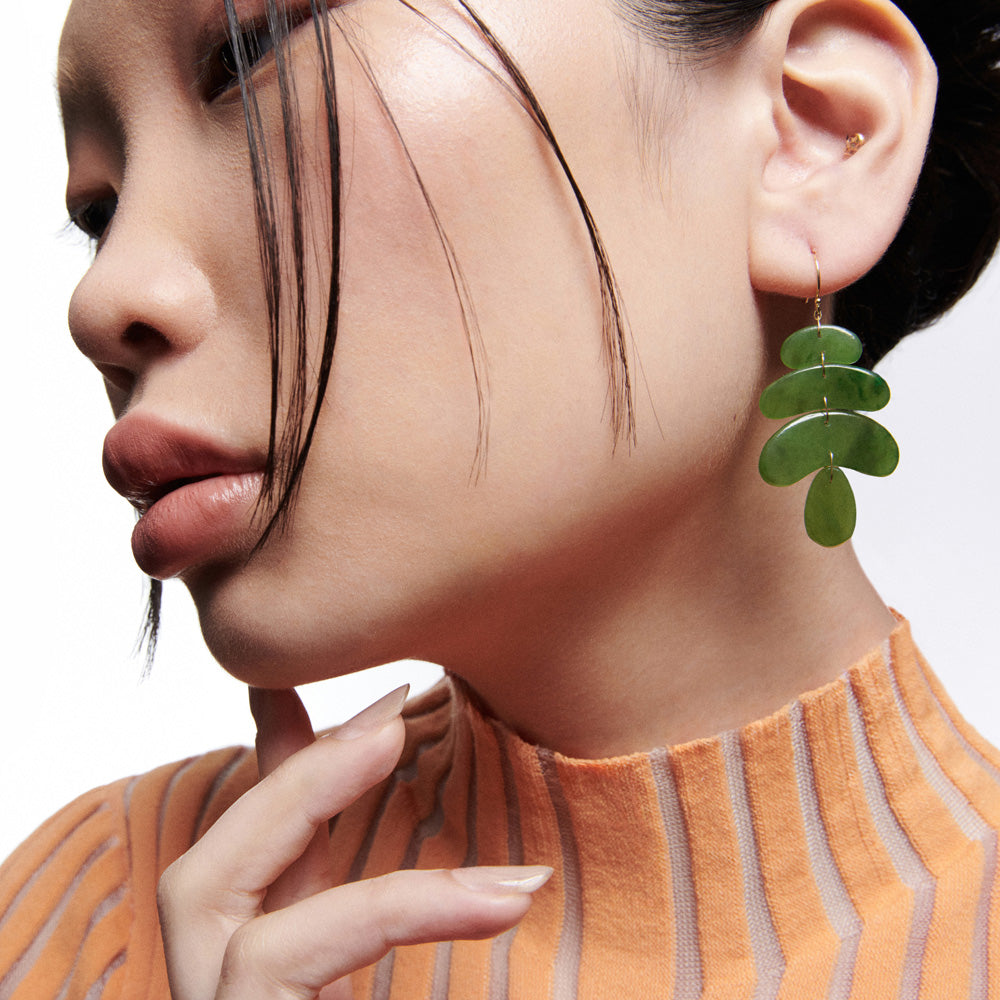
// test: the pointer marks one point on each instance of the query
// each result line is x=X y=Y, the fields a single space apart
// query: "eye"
x=220 y=68
x=94 y=217
x=221 y=71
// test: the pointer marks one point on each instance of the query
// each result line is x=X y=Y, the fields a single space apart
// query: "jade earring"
x=823 y=392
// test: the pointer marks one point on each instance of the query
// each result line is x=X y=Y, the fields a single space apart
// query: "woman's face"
x=396 y=546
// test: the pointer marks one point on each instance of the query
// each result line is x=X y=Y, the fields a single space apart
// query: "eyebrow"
x=71 y=84
x=84 y=101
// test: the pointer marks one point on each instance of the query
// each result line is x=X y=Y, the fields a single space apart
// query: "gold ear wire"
x=818 y=317
x=818 y=306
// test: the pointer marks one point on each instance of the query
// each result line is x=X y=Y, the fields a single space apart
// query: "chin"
x=273 y=657
x=269 y=638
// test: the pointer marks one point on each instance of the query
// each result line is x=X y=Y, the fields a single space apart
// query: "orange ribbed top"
x=845 y=847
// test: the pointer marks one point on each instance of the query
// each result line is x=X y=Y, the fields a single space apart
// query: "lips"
x=195 y=495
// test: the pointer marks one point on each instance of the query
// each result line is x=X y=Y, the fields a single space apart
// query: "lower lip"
x=196 y=523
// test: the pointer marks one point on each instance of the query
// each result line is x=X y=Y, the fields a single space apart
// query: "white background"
x=73 y=713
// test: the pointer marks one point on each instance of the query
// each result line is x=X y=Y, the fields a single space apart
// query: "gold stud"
x=854 y=143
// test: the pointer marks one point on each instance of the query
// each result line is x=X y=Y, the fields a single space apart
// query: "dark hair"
x=953 y=224
x=946 y=240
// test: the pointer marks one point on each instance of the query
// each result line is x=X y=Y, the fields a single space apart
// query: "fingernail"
x=374 y=716
x=524 y=878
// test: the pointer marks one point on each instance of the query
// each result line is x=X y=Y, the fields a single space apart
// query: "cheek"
x=468 y=282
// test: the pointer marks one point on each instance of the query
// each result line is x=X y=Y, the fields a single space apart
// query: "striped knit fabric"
x=845 y=847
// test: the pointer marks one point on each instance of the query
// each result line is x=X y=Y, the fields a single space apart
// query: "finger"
x=295 y=952
x=227 y=872
x=283 y=728
x=340 y=990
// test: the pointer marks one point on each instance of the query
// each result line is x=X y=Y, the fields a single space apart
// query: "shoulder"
x=78 y=913
x=78 y=898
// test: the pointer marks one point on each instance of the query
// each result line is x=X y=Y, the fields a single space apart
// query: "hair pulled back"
x=953 y=224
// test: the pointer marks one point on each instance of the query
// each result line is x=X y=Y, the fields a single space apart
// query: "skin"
x=600 y=599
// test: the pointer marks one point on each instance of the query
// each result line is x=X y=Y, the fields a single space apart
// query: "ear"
x=836 y=68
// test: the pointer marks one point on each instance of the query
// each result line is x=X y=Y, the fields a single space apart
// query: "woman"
x=588 y=548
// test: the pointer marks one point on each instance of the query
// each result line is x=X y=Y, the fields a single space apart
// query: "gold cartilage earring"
x=854 y=143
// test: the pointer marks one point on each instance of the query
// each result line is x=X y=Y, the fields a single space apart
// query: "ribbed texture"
x=77 y=900
x=845 y=847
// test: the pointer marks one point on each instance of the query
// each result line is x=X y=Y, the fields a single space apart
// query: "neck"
x=705 y=625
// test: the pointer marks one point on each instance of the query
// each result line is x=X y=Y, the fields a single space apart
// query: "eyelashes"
x=255 y=41
x=220 y=71
x=94 y=217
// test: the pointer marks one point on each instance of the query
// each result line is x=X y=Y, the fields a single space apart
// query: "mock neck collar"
x=758 y=846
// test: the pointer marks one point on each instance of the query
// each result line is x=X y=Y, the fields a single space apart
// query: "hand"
x=248 y=912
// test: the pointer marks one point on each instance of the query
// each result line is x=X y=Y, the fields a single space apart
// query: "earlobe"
x=847 y=67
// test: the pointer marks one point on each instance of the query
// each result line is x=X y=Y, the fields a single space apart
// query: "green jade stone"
x=807 y=444
x=832 y=345
x=835 y=387
x=831 y=512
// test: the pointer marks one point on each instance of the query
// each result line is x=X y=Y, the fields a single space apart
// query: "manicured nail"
x=374 y=716
x=525 y=878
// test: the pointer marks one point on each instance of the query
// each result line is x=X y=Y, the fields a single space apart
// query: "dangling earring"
x=827 y=387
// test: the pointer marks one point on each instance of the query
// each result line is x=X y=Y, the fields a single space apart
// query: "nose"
x=144 y=299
